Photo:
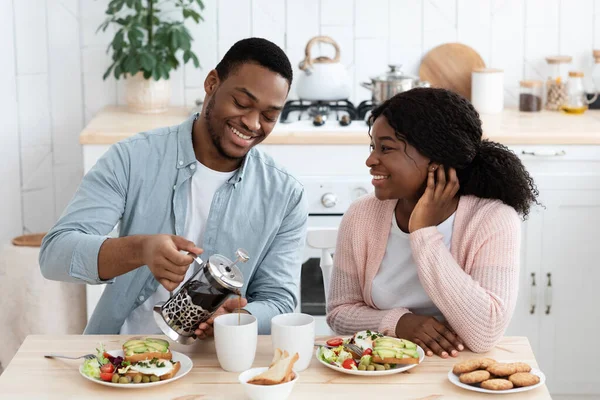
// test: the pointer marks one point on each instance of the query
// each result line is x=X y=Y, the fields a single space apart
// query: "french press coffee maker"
x=200 y=296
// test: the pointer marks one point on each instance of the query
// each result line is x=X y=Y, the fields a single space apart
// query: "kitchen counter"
x=31 y=376
x=510 y=127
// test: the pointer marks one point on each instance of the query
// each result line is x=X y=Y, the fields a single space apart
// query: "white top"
x=204 y=184
x=397 y=282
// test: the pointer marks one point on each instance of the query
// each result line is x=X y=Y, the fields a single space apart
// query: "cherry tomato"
x=348 y=363
x=335 y=342
x=109 y=368
x=106 y=376
x=367 y=352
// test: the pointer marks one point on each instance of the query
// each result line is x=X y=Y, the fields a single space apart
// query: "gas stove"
x=321 y=113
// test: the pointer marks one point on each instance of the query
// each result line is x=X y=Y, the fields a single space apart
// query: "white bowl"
x=265 y=392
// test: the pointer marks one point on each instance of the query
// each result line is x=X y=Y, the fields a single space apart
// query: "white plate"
x=391 y=371
x=186 y=366
x=454 y=379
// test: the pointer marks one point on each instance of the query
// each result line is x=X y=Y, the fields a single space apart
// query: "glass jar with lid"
x=531 y=94
x=577 y=100
x=556 y=87
x=595 y=104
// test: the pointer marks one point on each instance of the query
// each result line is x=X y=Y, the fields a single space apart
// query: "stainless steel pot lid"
x=394 y=74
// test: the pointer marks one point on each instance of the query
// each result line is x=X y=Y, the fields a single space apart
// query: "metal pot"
x=387 y=85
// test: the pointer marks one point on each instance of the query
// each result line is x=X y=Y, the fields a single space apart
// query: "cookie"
x=521 y=379
x=487 y=362
x=497 y=384
x=502 y=369
x=472 y=365
x=522 y=367
x=474 y=377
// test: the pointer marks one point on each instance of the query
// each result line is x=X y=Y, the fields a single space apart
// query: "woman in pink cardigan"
x=433 y=256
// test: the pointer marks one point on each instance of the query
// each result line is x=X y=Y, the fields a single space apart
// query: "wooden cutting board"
x=449 y=66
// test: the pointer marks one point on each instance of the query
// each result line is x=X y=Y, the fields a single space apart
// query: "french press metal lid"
x=226 y=273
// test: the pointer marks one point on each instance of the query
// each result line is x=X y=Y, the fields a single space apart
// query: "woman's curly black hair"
x=446 y=128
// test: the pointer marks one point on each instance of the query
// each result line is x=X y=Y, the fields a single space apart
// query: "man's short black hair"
x=259 y=51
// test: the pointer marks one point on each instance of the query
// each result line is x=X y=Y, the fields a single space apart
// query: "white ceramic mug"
x=295 y=333
x=236 y=344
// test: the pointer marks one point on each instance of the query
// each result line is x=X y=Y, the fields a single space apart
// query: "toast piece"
x=169 y=375
x=290 y=377
x=278 y=373
x=278 y=356
x=149 y=356
x=164 y=377
x=390 y=350
x=138 y=349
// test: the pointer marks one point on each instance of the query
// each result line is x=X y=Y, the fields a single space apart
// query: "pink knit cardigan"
x=474 y=284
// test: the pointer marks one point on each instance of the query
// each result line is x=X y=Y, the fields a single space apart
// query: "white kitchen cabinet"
x=559 y=314
x=569 y=319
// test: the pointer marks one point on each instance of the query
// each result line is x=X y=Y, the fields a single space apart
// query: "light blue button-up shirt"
x=143 y=183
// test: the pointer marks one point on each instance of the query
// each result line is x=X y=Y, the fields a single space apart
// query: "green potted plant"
x=148 y=44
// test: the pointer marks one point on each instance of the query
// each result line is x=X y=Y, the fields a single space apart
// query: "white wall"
x=41 y=112
x=52 y=65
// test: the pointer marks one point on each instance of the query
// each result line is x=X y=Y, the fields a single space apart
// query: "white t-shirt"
x=204 y=184
x=397 y=282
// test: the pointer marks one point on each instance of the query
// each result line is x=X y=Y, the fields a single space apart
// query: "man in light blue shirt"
x=147 y=184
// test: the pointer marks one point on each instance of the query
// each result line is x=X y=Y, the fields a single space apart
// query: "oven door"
x=312 y=291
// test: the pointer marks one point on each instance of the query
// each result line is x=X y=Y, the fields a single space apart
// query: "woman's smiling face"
x=399 y=170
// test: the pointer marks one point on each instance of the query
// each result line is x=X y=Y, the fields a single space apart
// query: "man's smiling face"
x=242 y=109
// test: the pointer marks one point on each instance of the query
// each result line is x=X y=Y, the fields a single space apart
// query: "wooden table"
x=31 y=376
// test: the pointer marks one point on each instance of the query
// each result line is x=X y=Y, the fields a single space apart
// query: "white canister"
x=487 y=90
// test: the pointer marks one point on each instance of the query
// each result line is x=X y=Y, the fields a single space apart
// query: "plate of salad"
x=140 y=363
x=369 y=353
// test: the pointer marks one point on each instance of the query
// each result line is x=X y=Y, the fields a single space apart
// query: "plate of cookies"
x=486 y=375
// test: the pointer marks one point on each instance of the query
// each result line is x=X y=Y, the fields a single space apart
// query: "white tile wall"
x=205 y=46
x=439 y=23
x=371 y=19
x=36 y=167
x=53 y=62
x=596 y=14
x=234 y=22
x=64 y=75
x=34 y=113
x=406 y=38
x=11 y=223
x=541 y=23
x=507 y=49
x=268 y=20
x=337 y=12
x=473 y=19
x=30 y=36
x=577 y=38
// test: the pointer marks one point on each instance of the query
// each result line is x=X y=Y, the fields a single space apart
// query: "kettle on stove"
x=323 y=78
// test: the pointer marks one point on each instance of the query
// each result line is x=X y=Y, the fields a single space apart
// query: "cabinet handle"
x=544 y=153
x=532 y=295
x=548 y=293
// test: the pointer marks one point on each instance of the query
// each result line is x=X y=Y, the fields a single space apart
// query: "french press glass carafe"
x=200 y=296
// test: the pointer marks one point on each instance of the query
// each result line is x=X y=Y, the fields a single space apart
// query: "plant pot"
x=147 y=96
